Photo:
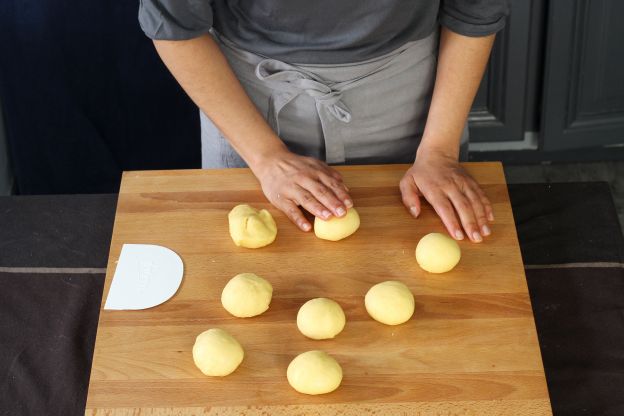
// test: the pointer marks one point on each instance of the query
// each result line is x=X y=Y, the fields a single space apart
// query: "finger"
x=409 y=195
x=338 y=188
x=295 y=215
x=334 y=174
x=466 y=215
x=489 y=212
x=329 y=171
x=305 y=199
x=445 y=211
x=324 y=195
x=479 y=210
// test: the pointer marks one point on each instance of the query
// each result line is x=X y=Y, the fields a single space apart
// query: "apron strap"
x=287 y=82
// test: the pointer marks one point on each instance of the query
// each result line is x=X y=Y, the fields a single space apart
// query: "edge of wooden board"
x=535 y=407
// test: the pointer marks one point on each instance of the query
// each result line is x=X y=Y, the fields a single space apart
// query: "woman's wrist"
x=442 y=148
x=260 y=159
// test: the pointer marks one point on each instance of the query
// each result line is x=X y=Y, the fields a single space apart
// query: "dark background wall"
x=85 y=95
x=6 y=176
x=555 y=84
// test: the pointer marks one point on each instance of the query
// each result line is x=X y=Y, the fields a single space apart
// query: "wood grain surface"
x=470 y=348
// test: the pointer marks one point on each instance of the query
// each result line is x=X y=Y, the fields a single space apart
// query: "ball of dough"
x=251 y=228
x=437 y=253
x=320 y=318
x=314 y=372
x=390 y=302
x=246 y=295
x=217 y=353
x=337 y=228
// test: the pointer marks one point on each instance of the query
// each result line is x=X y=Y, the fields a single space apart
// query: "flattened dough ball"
x=337 y=228
x=320 y=318
x=246 y=295
x=251 y=228
x=437 y=253
x=217 y=353
x=314 y=372
x=390 y=302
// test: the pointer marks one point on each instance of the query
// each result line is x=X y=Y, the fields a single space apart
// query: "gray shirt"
x=319 y=31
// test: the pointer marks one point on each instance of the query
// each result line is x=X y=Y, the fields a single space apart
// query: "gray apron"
x=362 y=113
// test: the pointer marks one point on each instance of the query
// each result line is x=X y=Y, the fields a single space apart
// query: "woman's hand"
x=451 y=191
x=290 y=181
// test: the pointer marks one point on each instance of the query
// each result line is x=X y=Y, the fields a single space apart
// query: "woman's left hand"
x=451 y=191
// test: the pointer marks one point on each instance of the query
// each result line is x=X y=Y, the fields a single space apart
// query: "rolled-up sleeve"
x=175 y=19
x=474 y=17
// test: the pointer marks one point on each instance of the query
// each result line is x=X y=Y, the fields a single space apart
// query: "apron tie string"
x=288 y=82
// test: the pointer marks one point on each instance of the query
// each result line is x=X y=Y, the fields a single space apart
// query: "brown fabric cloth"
x=48 y=320
x=47 y=335
x=579 y=316
x=579 y=311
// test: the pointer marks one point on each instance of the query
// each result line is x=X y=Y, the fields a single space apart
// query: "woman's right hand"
x=290 y=181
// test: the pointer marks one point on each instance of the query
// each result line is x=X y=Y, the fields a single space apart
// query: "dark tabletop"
x=54 y=249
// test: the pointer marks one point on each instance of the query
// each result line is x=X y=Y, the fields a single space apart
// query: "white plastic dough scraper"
x=146 y=275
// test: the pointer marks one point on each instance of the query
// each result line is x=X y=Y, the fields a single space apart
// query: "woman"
x=287 y=87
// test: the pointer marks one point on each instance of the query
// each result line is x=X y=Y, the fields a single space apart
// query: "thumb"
x=409 y=195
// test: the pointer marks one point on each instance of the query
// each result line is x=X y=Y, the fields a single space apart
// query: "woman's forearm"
x=203 y=71
x=289 y=181
x=461 y=63
x=436 y=174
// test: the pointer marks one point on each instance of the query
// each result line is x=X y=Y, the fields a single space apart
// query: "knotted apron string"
x=288 y=82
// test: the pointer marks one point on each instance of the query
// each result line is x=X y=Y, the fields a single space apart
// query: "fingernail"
x=477 y=237
x=459 y=235
x=491 y=216
x=348 y=203
x=414 y=211
x=341 y=211
x=486 y=230
x=325 y=214
x=305 y=226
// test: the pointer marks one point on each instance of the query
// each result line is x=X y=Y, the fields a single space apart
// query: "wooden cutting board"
x=470 y=348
